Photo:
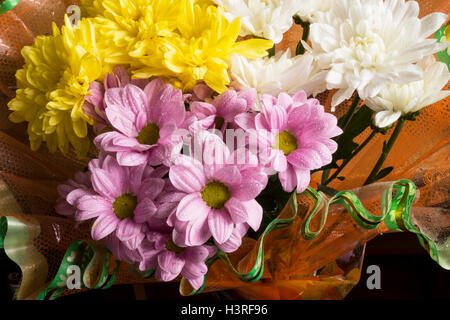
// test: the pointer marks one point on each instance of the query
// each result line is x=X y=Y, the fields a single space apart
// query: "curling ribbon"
x=7 y=5
x=92 y=257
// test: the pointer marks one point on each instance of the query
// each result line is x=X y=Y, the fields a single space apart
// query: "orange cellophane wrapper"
x=327 y=267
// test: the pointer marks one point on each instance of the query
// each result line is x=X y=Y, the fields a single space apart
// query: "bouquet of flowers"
x=205 y=140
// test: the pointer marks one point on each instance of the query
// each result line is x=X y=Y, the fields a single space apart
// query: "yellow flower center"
x=173 y=247
x=215 y=194
x=124 y=206
x=149 y=135
x=286 y=142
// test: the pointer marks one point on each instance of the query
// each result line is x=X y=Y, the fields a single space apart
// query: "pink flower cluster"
x=168 y=190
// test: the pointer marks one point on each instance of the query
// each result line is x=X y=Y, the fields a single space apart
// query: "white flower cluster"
x=380 y=49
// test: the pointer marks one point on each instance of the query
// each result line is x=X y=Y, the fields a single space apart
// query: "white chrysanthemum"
x=313 y=10
x=368 y=43
x=395 y=100
x=268 y=19
x=280 y=73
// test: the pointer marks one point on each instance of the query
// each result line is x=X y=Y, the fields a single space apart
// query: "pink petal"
x=144 y=211
x=127 y=229
x=254 y=212
x=275 y=118
x=197 y=232
x=202 y=110
x=220 y=225
x=194 y=270
x=103 y=226
x=303 y=179
x=131 y=158
x=196 y=254
x=150 y=188
x=228 y=175
x=249 y=95
x=253 y=182
x=102 y=184
x=305 y=159
x=197 y=283
x=170 y=265
x=284 y=100
x=235 y=241
x=228 y=105
x=94 y=203
x=279 y=162
x=75 y=195
x=134 y=98
x=237 y=210
x=192 y=207
x=246 y=121
x=65 y=209
x=288 y=179
x=187 y=175
x=118 y=114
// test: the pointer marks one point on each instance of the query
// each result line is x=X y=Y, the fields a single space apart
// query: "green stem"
x=271 y=51
x=354 y=154
x=345 y=122
x=351 y=113
x=386 y=149
x=306 y=28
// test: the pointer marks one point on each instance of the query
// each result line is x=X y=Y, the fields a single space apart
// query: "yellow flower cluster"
x=182 y=41
x=52 y=86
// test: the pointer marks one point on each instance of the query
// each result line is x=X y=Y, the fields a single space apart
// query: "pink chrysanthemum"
x=294 y=134
x=221 y=112
x=94 y=105
x=71 y=191
x=160 y=253
x=121 y=251
x=143 y=123
x=121 y=200
x=219 y=196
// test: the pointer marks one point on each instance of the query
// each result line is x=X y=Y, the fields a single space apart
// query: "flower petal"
x=237 y=210
x=220 y=225
x=254 y=213
x=192 y=207
x=103 y=226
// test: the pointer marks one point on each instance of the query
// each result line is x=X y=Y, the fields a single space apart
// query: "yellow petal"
x=253 y=48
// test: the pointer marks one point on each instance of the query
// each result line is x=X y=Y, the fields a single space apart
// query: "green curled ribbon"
x=7 y=5
x=86 y=257
x=395 y=213
x=91 y=257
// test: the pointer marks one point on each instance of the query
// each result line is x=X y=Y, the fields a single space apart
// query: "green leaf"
x=443 y=56
x=327 y=190
x=360 y=122
x=383 y=173
x=272 y=199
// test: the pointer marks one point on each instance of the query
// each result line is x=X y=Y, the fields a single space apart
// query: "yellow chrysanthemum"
x=125 y=25
x=52 y=85
x=182 y=41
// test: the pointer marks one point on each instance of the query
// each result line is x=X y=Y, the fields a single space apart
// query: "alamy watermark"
x=374 y=280
x=74 y=14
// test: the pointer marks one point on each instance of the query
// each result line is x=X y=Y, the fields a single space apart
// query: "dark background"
x=407 y=272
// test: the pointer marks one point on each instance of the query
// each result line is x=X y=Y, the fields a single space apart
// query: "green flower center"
x=215 y=194
x=124 y=206
x=173 y=247
x=149 y=134
x=286 y=142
